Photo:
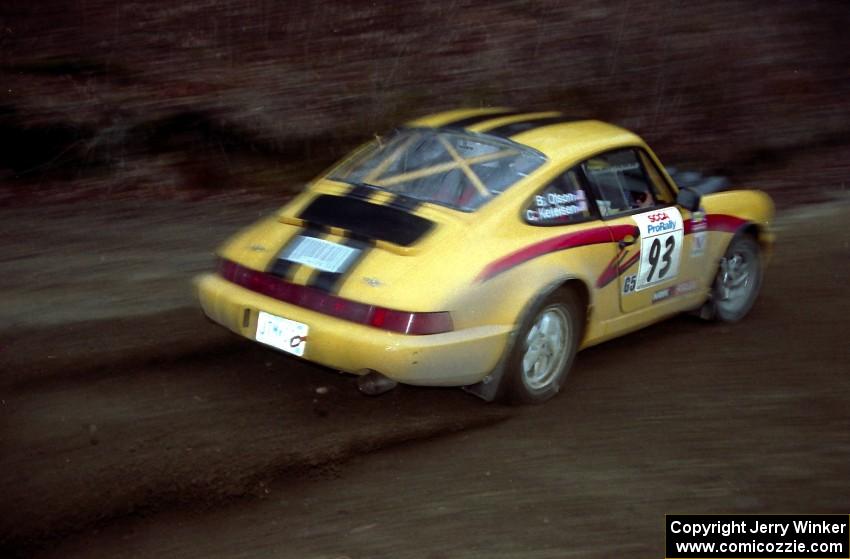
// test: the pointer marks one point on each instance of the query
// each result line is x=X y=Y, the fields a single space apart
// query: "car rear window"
x=455 y=169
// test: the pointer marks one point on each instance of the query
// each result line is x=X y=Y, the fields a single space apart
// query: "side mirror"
x=688 y=199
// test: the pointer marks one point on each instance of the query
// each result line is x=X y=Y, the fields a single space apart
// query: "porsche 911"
x=482 y=248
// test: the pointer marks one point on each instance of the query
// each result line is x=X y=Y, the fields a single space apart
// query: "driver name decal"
x=553 y=207
x=661 y=234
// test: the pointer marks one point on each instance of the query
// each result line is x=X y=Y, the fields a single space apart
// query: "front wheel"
x=738 y=280
x=544 y=349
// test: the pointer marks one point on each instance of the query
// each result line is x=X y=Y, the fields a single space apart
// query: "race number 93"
x=661 y=233
x=655 y=257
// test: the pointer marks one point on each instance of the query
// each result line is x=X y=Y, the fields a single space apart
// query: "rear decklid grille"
x=367 y=220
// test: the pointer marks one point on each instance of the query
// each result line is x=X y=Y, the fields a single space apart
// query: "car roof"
x=556 y=135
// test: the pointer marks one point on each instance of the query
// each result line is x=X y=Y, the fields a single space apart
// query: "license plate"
x=320 y=254
x=282 y=333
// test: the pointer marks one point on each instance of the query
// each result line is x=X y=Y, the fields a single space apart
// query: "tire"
x=738 y=280
x=544 y=349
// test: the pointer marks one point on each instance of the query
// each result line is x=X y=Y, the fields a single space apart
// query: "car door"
x=638 y=207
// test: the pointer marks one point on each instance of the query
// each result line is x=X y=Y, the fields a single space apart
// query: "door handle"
x=628 y=240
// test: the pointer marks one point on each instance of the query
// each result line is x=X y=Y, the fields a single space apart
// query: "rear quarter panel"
x=499 y=296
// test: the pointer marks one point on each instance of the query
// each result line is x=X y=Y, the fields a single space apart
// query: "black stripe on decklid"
x=475 y=119
x=406 y=203
x=399 y=201
x=360 y=191
x=332 y=281
x=514 y=128
x=366 y=220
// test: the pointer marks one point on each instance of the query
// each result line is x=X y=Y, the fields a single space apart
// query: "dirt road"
x=683 y=417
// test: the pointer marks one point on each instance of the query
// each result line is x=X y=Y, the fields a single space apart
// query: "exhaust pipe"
x=374 y=383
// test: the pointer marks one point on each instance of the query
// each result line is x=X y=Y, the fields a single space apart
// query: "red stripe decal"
x=630 y=262
x=714 y=222
x=725 y=223
x=562 y=242
x=611 y=271
x=616 y=268
x=717 y=222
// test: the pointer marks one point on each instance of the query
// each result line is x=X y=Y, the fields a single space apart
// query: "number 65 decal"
x=629 y=283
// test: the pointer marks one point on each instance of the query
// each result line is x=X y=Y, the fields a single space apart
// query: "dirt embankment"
x=207 y=97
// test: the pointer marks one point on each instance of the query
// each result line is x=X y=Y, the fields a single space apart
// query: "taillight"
x=430 y=323
x=411 y=322
x=404 y=322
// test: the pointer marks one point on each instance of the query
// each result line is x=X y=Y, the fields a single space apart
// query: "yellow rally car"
x=482 y=248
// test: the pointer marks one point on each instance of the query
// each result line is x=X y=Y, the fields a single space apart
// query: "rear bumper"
x=455 y=358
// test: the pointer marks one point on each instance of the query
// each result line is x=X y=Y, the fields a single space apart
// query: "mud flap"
x=488 y=388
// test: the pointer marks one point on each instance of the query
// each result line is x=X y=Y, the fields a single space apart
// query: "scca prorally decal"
x=661 y=234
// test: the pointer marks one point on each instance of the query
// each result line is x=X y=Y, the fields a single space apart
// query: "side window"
x=662 y=189
x=562 y=201
x=619 y=182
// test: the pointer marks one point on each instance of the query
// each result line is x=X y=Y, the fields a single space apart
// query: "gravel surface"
x=112 y=419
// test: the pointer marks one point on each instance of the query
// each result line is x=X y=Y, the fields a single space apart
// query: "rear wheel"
x=738 y=280
x=544 y=349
